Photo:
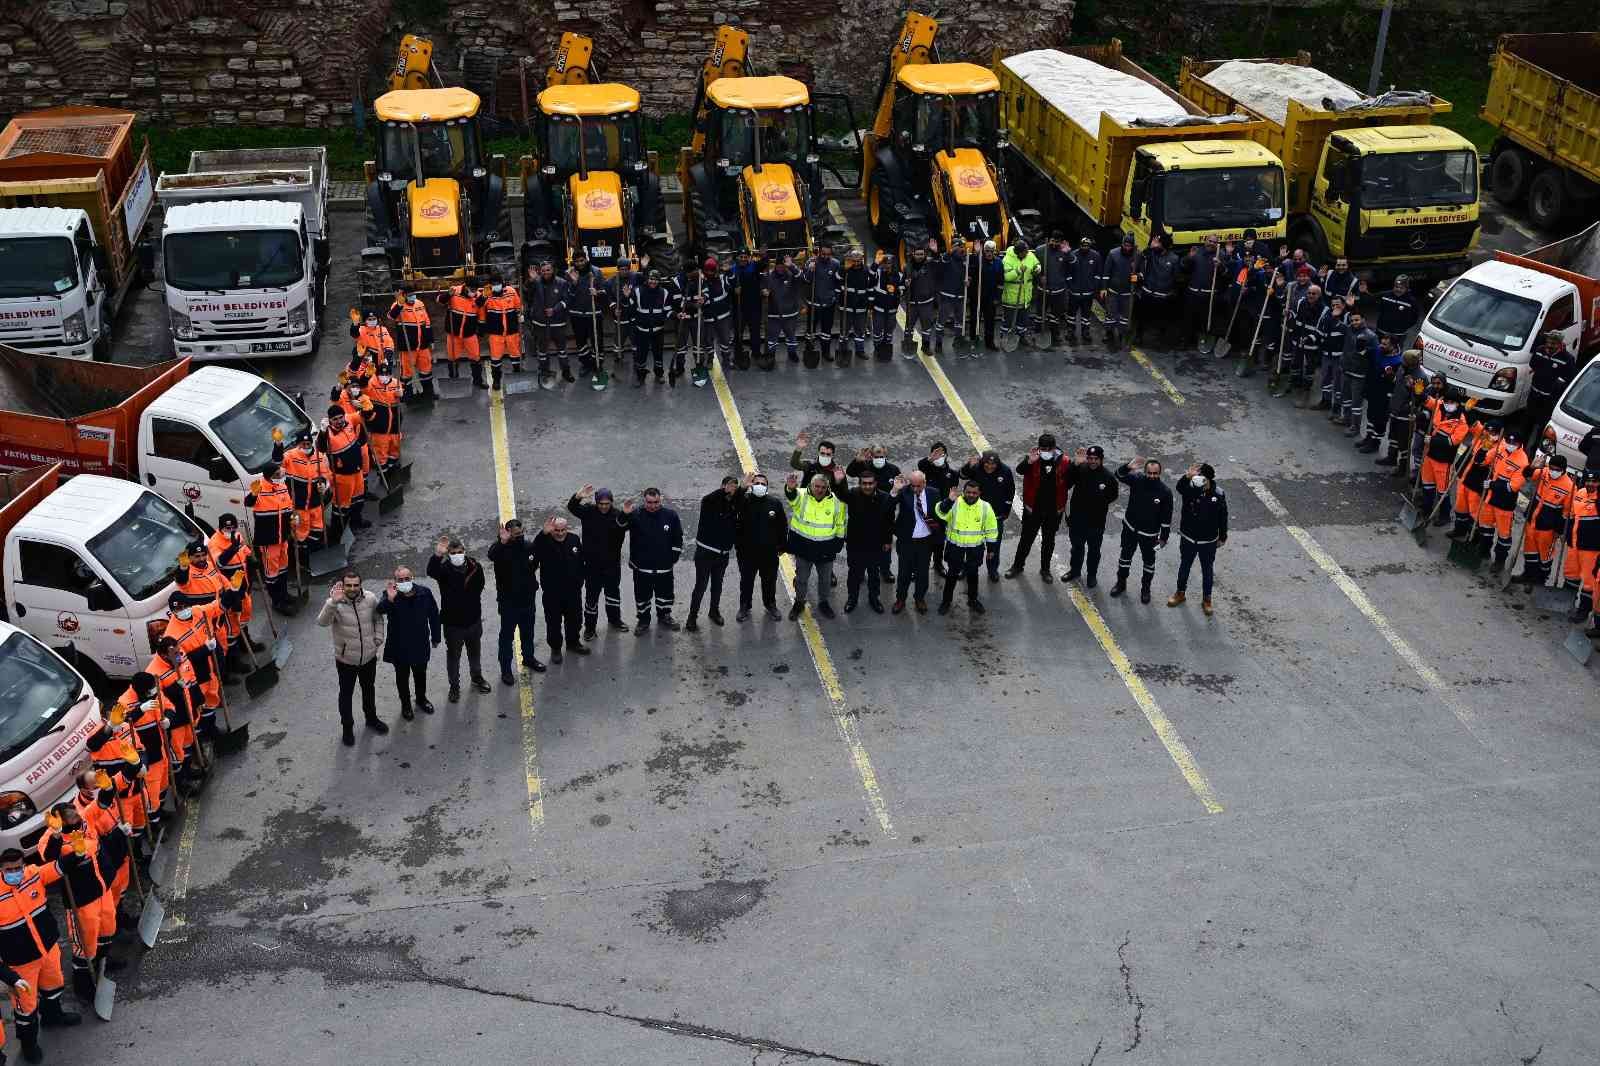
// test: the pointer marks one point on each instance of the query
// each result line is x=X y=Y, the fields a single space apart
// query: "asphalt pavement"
x=1346 y=819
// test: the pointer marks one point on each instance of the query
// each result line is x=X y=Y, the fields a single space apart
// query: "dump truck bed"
x=1544 y=94
x=298 y=175
x=1575 y=259
x=81 y=414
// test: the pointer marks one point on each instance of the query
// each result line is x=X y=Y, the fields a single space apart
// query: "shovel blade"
x=329 y=560
x=1546 y=598
x=156 y=873
x=453 y=389
x=393 y=499
x=401 y=475
x=522 y=383
x=1579 y=646
x=261 y=680
x=1409 y=519
x=1223 y=347
x=233 y=741
x=282 y=648
x=1465 y=554
x=1008 y=342
x=105 y=996
x=150 y=920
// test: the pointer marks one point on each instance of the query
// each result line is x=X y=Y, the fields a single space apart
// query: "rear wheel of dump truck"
x=1509 y=175
x=1549 y=201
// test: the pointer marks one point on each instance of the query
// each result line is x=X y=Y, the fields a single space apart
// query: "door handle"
x=21 y=610
x=149 y=479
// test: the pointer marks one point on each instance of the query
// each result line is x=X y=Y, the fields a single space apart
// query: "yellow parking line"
x=184 y=863
x=1143 y=360
x=844 y=718
x=953 y=400
x=508 y=510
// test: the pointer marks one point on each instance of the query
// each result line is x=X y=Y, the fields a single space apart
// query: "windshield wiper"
x=23 y=745
x=1472 y=337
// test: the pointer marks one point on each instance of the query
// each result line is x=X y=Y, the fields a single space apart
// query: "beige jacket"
x=358 y=628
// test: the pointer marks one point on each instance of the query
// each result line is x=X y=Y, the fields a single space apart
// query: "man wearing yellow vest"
x=969 y=526
x=817 y=522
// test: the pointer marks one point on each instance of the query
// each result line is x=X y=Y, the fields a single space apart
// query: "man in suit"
x=915 y=529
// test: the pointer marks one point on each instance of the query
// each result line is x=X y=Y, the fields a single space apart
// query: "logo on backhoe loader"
x=599 y=201
x=433 y=209
x=775 y=194
x=972 y=178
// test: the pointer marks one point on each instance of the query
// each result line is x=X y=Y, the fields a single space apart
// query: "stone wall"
x=302 y=62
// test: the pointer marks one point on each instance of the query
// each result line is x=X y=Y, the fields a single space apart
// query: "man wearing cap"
x=655 y=541
x=748 y=278
x=704 y=319
x=604 y=529
x=1508 y=471
x=549 y=300
x=970 y=525
x=309 y=477
x=818 y=521
x=653 y=305
x=272 y=508
x=1094 y=490
x=1548 y=512
x=415 y=328
x=923 y=276
x=460 y=579
x=344 y=442
x=1020 y=273
x=589 y=291
x=888 y=296
x=983 y=297
x=824 y=283
x=869 y=525
x=1158 y=281
x=857 y=301
x=998 y=487
x=463 y=304
x=1355 y=363
x=1056 y=257
x=514 y=586
x=1394 y=312
x=1117 y=281
x=784 y=291
x=1405 y=394
x=1146 y=522
x=1202 y=529
x=1045 y=484
x=955 y=268
x=372 y=341
x=761 y=532
x=1084 y=270
x=1381 y=376
x=1550 y=370
x=560 y=557
x=1204 y=268
x=713 y=542
x=941 y=477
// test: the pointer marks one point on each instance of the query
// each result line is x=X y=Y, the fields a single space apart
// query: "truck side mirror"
x=101 y=598
x=220 y=470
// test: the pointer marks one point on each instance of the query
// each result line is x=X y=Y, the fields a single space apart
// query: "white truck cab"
x=47 y=714
x=52 y=283
x=204 y=440
x=92 y=566
x=241 y=279
x=1576 y=413
x=1482 y=331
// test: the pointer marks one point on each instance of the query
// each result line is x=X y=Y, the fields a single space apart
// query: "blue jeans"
x=1188 y=551
x=516 y=620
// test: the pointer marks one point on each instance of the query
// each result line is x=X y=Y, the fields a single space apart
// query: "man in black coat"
x=604 y=528
x=460 y=579
x=713 y=541
x=998 y=487
x=1093 y=492
x=762 y=530
x=1202 y=529
x=1146 y=522
x=655 y=542
x=559 y=554
x=514 y=586
x=869 y=530
x=413 y=619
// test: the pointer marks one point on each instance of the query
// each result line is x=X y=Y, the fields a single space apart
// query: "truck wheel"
x=878 y=211
x=1509 y=175
x=1548 y=199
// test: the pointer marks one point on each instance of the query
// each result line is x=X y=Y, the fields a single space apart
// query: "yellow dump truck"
x=1544 y=99
x=1370 y=178
x=1098 y=147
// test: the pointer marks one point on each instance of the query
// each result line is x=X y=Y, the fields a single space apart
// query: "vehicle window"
x=245 y=429
x=448 y=149
x=36 y=691
x=1582 y=401
x=37 y=266
x=140 y=549
x=608 y=144
x=85 y=244
x=1336 y=169
x=1488 y=316
x=738 y=137
x=53 y=566
x=181 y=442
x=1229 y=198
x=974 y=121
x=247 y=259
x=1407 y=179
x=1562 y=314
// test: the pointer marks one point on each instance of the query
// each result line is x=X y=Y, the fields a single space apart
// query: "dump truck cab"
x=436 y=208
x=1189 y=191
x=927 y=165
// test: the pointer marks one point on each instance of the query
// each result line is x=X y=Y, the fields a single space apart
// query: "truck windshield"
x=1582 y=401
x=242 y=259
x=245 y=429
x=36 y=691
x=1418 y=179
x=785 y=136
x=609 y=143
x=1488 y=316
x=37 y=266
x=141 y=548
x=1224 y=198
x=448 y=149
x=975 y=121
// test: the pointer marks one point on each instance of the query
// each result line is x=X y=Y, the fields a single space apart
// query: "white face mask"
x=458 y=559
x=939 y=461
x=1051 y=454
x=879 y=461
x=1449 y=408
x=758 y=490
x=1198 y=481
x=185 y=613
x=405 y=586
x=824 y=460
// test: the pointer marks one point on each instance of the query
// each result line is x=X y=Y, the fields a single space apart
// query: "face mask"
x=12 y=877
x=879 y=461
x=758 y=491
x=497 y=289
x=458 y=559
x=411 y=299
x=372 y=323
x=405 y=586
x=1198 y=481
x=384 y=377
x=185 y=613
x=824 y=460
x=1051 y=454
x=1449 y=408
x=939 y=461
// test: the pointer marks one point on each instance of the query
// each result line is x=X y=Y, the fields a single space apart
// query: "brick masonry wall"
x=302 y=62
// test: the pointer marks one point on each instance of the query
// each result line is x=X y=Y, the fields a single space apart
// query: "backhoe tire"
x=663 y=255
x=697 y=213
x=879 y=207
x=1549 y=201
x=912 y=235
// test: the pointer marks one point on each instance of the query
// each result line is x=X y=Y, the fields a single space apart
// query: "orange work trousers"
x=310 y=522
x=1435 y=474
x=1469 y=503
x=274 y=558
x=417 y=362
x=386 y=446
x=97 y=920
x=461 y=347
x=42 y=974
x=348 y=489
x=505 y=346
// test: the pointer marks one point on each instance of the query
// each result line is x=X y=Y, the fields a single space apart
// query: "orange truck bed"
x=20 y=493
x=82 y=415
x=1575 y=259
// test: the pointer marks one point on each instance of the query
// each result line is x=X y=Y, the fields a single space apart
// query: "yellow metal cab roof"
x=955 y=79
x=426 y=105
x=1405 y=139
x=758 y=93
x=605 y=98
x=1212 y=153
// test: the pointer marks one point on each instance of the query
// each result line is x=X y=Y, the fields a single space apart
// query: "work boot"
x=1144 y=594
x=1071 y=574
x=825 y=609
x=111 y=963
x=1120 y=587
x=716 y=617
x=1046 y=577
x=1089 y=581
x=588 y=632
x=578 y=649
x=773 y=614
x=406 y=712
x=494 y=376
x=938 y=344
x=477 y=377
x=407 y=396
x=944 y=607
x=794 y=612
x=357 y=522
x=667 y=622
x=534 y=666
x=428 y=395
x=849 y=605
x=555 y=657
x=1015 y=571
x=642 y=627
x=1176 y=600
x=691 y=626
x=348 y=734
x=455 y=368
x=1392 y=458
x=566 y=372
x=454 y=695
x=54 y=1012
x=1205 y=605
x=743 y=615
x=82 y=980
x=1055 y=336
x=424 y=704
x=977 y=607
x=618 y=624
x=507 y=677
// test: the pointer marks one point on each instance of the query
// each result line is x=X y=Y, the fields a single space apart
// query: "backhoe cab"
x=751 y=178
x=928 y=164
x=590 y=185
x=436 y=209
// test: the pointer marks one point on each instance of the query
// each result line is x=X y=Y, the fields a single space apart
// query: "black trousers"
x=409 y=677
x=349 y=675
x=602 y=578
x=1188 y=551
x=1038 y=523
x=1146 y=546
x=652 y=589
x=747 y=333
x=562 y=610
x=709 y=567
x=914 y=558
x=865 y=563
x=764 y=566
x=1085 y=547
x=962 y=563
x=647 y=349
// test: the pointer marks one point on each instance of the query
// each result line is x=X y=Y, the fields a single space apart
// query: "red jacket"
x=1030 y=472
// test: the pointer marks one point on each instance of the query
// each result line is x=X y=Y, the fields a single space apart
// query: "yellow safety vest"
x=967 y=525
x=819 y=520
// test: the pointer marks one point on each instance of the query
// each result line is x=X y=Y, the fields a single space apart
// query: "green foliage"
x=414 y=13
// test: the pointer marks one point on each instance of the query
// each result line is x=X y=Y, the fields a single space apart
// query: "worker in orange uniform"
x=143 y=702
x=1583 y=549
x=373 y=341
x=273 y=510
x=232 y=556
x=30 y=950
x=309 y=478
x=1508 y=471
x=118 y=753
x=97 y=803
x=1482 y=441
x=383 y=418
x=415 y=343
x=464 y=302
x=187 y=624
x=200 y=579
x=502 y=324
x=91 y=913
x=1547 y=517
x=1447 y=429
x=180 y=701
x=344 y=441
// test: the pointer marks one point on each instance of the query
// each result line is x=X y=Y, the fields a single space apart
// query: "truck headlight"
x=75 y=330
x=299 y=318
x=1505 y=380
x=15 y=808
x=182 y=328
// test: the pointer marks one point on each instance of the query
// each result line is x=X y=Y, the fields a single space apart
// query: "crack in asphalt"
x=1134 y=999
x=1098 y=1044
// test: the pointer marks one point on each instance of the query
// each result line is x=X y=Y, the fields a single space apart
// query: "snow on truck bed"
x=1082 y=89
x=1268 y=87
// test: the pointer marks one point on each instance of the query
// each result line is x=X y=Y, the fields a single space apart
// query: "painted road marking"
x=508 y=510
x=183 y=864
x=1353 y=593
x=1143 y=360
x=845 y=719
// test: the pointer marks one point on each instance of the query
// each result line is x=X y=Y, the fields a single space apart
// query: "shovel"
x=152 y=912
x=105 y=989
x=1409 y=519
x=1009 y=338
x=331 y=558
x=1556 y=597
x=282 y=646
x=1579 y=646
x=392 y=496
x=230 y=741
x=1469 y=554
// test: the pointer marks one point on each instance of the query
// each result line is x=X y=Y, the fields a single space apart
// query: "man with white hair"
x=558 y=553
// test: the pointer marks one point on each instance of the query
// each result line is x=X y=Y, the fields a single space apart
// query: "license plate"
x=600 y=251
x=270 y=346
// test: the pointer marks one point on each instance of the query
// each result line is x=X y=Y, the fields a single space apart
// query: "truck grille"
x=1434 y=240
